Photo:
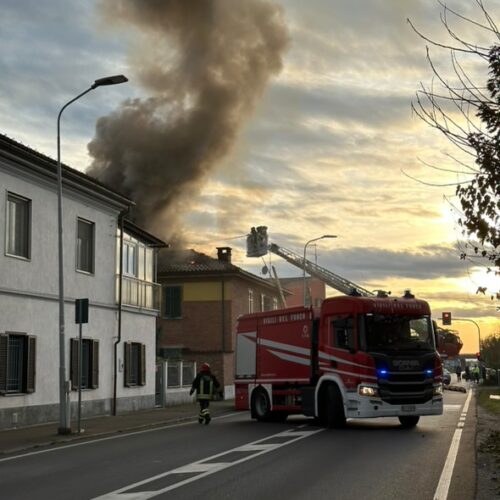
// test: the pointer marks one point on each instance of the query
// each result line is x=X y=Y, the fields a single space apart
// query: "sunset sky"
x=322 y=152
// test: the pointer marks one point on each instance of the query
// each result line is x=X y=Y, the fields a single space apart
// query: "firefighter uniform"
x=205 y=384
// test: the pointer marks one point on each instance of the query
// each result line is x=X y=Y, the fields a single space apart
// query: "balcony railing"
x=139 y=293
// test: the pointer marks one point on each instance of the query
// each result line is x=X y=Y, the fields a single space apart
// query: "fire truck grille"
x=405 y=388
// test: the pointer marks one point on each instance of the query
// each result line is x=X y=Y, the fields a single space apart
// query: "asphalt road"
x=237 y=458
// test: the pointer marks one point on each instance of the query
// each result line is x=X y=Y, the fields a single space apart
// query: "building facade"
x=202 y=298
x=315 y=291
x=119 y=336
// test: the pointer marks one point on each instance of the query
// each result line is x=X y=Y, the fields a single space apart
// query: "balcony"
x=139 y=293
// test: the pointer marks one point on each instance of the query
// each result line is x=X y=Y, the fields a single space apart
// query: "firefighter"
x=205 y=384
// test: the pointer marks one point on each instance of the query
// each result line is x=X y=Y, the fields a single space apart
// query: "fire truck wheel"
x=409 y=421
x=334 y=416
x=261 y=407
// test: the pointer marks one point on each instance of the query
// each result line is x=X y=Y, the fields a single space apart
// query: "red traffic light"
x=446 y=317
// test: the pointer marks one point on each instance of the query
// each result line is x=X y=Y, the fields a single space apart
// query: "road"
x=237 y=458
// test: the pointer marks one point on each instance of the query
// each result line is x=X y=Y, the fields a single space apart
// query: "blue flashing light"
x=382 y=373
x=429 y=372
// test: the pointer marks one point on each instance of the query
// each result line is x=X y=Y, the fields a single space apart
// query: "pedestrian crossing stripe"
x=143 y=490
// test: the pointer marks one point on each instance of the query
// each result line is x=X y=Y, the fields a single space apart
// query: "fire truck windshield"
x=401 y=333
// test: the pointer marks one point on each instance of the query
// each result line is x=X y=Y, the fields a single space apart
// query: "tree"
x=468 y=115
x=490 y=351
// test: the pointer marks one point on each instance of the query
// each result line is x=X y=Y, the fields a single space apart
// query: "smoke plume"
x=204 y=64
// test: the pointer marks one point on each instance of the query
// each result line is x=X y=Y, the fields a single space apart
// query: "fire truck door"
x=341 y=348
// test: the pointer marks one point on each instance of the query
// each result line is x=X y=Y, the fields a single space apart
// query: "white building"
x=93 y=233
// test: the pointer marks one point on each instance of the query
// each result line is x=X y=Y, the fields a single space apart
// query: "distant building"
x=29 y=305
x=202 y=298
x=315 y=290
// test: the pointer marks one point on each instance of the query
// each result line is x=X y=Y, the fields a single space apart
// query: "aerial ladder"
x=331 y=279
x=257 y=246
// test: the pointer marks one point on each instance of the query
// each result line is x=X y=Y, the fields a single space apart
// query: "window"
x=180 y=373
x=135 y=364
x=85 y=246
x=129 y=259
x=266 y=303
x=386 y=332
x=343 y=332
x=172 y=302
x=250 y=301
x=275 y=303
x=17 y=363
x=18 y=230
x=90 y=364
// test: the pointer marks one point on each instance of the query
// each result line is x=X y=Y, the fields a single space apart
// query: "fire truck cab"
x=355 y=357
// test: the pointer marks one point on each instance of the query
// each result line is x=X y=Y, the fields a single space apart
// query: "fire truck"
x=357 y=356
x=354 y=357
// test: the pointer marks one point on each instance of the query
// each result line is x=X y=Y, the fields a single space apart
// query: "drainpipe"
x=120 y=281
x=223 y=314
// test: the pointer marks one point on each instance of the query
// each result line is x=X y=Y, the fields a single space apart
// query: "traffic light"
x=447 y=318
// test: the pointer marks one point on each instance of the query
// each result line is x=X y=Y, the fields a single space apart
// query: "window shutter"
x=142 y=380
x=128 y=349
x=4 y=339
x=173 y=301
x=95 y=364
x=73 y=367
x=31 y=365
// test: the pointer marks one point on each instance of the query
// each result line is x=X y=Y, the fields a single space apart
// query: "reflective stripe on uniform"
x=206 y=387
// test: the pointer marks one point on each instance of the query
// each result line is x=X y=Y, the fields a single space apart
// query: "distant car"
x=446 y=377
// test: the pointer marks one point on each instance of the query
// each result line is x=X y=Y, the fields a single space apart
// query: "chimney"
x=224 y=254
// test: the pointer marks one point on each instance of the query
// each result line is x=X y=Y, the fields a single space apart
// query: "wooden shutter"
x=4 y=345
x=94 y=383
x=31 y=364
x=142 y=374
x=73 y=364
x=128 y=350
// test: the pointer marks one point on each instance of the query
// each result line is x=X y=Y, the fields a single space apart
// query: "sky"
x=321 y=146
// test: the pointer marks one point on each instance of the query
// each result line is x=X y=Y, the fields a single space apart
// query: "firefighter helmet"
x=205 y=367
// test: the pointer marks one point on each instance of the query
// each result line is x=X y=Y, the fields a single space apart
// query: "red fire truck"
x=355 y=357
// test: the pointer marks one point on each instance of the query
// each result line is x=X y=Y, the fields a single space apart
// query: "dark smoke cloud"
x=204 y=63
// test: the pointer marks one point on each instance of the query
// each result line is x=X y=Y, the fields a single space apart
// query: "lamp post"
x=305 y=249
x=64 y=406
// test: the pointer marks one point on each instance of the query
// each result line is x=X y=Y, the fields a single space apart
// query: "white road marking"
x=114 y=436
x=443 y=487
x=451 y=407
x=207 y=466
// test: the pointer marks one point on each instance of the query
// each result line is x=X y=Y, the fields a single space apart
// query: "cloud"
x=364 y=265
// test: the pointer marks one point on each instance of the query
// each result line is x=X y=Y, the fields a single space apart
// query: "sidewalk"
x=26 y=438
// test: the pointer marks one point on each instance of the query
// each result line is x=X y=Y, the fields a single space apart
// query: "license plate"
x=408 y=408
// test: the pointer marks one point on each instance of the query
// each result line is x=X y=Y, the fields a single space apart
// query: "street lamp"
x=304 y=266
x=64 y=406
